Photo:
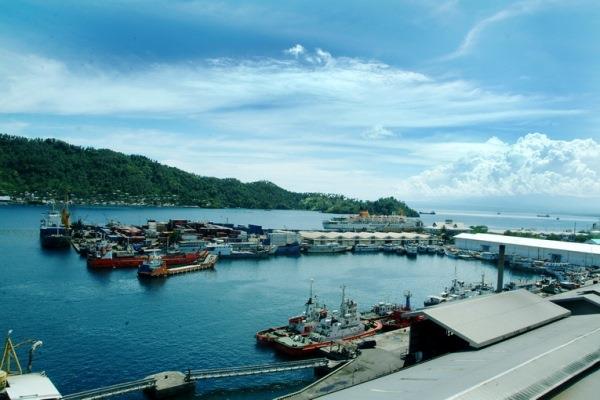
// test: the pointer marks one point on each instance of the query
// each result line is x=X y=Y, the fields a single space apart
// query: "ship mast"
x=343 y=306
x=310 y=297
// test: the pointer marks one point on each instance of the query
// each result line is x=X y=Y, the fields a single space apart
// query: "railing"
x=113 y=390
x=256 y=369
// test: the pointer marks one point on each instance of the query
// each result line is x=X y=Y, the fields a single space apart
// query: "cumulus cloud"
x=534 y=165
x=296 y=50
x=377 y=132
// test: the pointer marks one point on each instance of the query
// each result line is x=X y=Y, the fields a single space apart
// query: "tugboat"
x=344 y=325
x=393 y=316
x=298 y=325
x=54 y=229
x=153 y=267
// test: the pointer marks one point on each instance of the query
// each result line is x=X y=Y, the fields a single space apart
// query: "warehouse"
x=354 y=238
x=581 y=254
x=515 y=345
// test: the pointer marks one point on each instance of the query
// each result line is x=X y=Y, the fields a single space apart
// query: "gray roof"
x=590 y=294
x=526 y=366
x=483 y=320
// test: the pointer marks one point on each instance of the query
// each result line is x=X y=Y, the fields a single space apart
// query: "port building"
x=582 y=254
x=354 y=238
x=512 y=345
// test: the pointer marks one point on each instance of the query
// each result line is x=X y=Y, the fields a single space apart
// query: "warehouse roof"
x=362 y=235
x=538 y=243
x=32 y=386
x=588 y=294
x=483 y=320
x=526 y=366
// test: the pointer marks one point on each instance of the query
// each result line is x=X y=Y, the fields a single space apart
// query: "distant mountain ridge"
x=50 y=168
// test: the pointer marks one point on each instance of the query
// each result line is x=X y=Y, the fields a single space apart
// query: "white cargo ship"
x=364 y=222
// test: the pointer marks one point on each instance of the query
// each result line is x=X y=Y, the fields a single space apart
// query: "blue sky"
x=423 y=100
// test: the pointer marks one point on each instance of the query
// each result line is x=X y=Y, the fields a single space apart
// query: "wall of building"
x=536 y=253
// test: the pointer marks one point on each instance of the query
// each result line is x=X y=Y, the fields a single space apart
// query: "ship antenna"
x=311 y=288
x=343 y=297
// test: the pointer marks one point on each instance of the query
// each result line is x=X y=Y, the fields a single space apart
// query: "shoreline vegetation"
x=35 y=171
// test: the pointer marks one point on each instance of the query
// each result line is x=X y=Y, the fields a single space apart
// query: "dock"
x=169 y=383
x=208 y=263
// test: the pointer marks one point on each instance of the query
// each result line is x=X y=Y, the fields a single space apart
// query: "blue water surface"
x=105 y=327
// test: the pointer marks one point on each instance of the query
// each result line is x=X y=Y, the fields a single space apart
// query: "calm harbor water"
x=104 y=327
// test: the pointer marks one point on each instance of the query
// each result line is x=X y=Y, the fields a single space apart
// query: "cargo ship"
x=342 y=325
x=363 y=222
x=299 y=325
x=54 y=229
x=109 y=259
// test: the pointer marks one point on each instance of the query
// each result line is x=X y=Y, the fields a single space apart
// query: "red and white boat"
x=343 y=325
x=299 y=325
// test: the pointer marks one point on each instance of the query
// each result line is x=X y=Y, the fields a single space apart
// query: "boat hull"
x=55 y=242
x=135 y=261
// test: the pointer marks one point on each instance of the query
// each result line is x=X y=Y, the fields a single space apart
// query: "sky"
x=441 y=102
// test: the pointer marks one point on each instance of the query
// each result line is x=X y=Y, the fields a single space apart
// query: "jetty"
x=170 y=383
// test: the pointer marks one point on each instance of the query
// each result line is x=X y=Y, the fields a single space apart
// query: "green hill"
x=50 y=168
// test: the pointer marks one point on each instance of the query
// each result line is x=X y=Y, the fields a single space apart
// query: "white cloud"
x=513 y=10
x=377 y=132
x=317 y=90
x=534 y=165
x=296 y=50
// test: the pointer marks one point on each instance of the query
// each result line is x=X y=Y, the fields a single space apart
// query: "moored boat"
x=365 y=248
x=109 y=259
x=298 y=325
x=411 y=249
x=327 y=248
x=343 y=325
x=54 y=230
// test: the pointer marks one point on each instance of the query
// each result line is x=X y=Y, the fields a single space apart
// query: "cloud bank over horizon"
x=534 y=165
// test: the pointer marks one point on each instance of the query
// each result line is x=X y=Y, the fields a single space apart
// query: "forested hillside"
x=50 y=168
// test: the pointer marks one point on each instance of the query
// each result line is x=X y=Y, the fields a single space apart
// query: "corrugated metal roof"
x=483 y=320
x=524 y=367
x=537 y=243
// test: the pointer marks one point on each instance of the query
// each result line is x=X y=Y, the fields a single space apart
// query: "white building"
x=281 y=238
x=450 y=226
x=353 y=238
x=551 y=250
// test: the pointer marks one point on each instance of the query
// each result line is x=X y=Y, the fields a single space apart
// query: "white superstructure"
x=364 y=222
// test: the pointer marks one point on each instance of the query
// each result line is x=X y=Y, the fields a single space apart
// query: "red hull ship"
x=110 y=261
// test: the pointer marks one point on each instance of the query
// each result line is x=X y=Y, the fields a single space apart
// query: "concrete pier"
x=382 y=360
x=170 y=383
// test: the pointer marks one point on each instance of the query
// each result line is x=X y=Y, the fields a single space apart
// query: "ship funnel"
x=501 y=251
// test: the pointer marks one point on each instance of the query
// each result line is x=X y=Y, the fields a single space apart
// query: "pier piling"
x=501 y=251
